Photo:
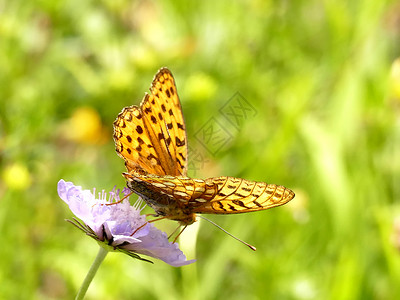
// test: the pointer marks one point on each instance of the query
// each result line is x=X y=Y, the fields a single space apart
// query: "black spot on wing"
x=178 y=142
x=256 y=203
x=179 y=162
x=240 y=203
x=221 y=206
x=231 y=207
x=152 y=156
x=139 y=129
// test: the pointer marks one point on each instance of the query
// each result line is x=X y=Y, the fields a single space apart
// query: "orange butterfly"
x=151 y=138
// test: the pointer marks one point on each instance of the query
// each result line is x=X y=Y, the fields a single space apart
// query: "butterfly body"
x=151 y=138
x=162 y=201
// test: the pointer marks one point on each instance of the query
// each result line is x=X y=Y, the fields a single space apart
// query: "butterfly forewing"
x=132 y=142
x=152 y=137
x=171 y=122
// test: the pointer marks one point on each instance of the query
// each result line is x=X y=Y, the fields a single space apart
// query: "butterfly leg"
x=119 y=201
x=180 y=233
x=154 y=220
x=173 y=232
x=137 y=229
x=151 y=221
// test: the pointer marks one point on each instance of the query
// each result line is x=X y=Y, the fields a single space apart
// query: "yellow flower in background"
x=16 y=176
x=85 y=127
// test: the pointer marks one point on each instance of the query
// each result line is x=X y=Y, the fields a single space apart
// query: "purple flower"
x=120 y=225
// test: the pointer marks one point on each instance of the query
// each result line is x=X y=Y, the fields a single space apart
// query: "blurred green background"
x=324 y=84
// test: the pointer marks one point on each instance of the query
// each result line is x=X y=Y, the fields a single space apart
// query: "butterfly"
x=151 y=138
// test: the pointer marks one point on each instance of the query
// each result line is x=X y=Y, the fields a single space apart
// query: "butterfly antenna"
x=230 y=234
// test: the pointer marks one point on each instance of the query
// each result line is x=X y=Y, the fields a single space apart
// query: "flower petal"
x=120 y=225
x=156 y=245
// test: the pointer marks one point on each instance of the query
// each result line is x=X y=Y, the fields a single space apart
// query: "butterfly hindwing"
x=237 y=195
x=219 y=195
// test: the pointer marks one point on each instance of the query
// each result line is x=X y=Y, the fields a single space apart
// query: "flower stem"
x=92 y=272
